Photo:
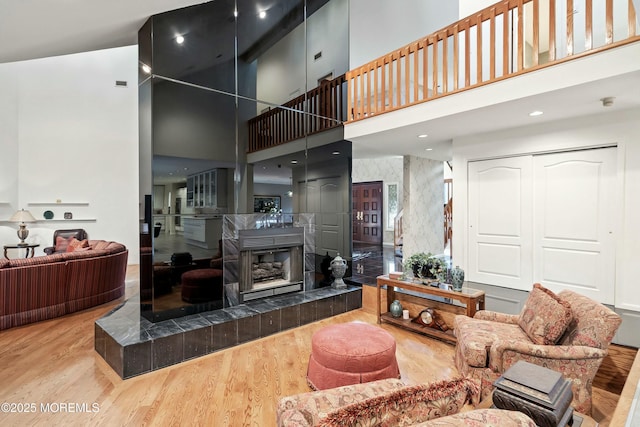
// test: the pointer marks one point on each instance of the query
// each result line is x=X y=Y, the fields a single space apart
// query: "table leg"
x=377 y=298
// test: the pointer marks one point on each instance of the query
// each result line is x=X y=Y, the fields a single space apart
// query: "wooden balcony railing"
x=504 y=40
x=319 y=109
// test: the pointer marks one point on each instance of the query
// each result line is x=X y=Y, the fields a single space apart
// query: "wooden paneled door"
x=367 y=212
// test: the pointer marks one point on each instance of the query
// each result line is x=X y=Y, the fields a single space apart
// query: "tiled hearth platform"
x=132 y=345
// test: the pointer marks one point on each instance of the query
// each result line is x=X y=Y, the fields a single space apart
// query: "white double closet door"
x=545 y=218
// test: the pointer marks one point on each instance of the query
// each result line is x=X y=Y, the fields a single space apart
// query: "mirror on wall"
x=232 y=120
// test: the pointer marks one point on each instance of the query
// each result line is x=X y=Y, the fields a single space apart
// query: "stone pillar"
x=423 y=204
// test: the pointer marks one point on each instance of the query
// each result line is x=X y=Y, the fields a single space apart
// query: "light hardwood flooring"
x=53 y=363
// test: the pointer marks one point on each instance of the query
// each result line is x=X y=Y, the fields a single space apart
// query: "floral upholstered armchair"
x=568 y=333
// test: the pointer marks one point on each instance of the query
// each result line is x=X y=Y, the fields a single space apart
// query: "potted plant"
x=423 y=265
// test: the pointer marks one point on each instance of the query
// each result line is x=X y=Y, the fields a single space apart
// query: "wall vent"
x=121 y=83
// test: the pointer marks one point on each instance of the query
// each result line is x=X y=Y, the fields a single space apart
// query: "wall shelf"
x=42 y=221
x=67 y=220
x=58 y=204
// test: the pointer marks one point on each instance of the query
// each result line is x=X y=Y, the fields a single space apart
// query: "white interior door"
x=500 y=235
x=574 y=207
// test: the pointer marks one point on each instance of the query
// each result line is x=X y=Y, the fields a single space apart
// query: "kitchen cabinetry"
x=203 y=232
x=207 y=189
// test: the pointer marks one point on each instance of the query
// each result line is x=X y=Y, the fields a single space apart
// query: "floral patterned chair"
x=567 y=332
x=389 y=402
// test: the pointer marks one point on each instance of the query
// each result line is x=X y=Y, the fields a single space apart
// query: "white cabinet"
x=207 y=189
x=203 y=232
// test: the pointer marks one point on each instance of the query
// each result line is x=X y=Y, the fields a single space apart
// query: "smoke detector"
x=608 y=101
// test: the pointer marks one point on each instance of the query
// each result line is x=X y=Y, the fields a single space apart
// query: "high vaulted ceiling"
x=32 y=29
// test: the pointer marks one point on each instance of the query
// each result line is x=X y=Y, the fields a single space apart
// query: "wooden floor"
x=48 y=365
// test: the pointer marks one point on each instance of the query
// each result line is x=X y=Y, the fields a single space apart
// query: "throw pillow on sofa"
x=76 y=245
x=545 y=316
x=62 y=243
x=408 y=405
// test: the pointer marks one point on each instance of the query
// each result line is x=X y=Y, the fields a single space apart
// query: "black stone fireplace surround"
x=132 y=345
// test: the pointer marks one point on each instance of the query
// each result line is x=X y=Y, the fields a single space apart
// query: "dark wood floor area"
x=52 y=363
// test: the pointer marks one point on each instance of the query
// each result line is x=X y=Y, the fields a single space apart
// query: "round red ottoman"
x=351 y=353
x=201 y=285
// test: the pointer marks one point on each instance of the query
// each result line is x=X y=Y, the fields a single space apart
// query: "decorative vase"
x=457 y=278
x=338 y=267
x=396 y=309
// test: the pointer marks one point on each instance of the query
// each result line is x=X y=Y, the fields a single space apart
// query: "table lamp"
x=22 y=216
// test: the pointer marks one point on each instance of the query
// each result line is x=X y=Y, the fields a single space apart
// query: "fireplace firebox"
x=271 y=262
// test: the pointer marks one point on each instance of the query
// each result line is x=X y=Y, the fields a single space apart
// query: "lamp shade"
x=22 y=216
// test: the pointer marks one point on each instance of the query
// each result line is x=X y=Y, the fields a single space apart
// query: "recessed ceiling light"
x=235 y=13
x=146 y=68
x=424 y=135
x=262 y=14
x=293 y=162
x=335 y=153
x=536 y=113
x=186 y=169
x=428 y=149
x=179 y=39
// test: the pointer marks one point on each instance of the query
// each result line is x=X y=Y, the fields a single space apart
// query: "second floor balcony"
x=505 y=40
x=509 y=39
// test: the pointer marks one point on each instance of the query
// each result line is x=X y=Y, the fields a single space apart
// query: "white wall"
x=8 y=148
x=385 y=169
x=377 y=27
x=469 y=7
x=621 y=128
x=76 y=138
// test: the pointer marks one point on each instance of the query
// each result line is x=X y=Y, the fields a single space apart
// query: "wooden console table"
x=470 y=300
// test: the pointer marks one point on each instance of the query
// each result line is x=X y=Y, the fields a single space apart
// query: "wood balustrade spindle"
x=588 y=29
x=520 y=35
x=536 y=33
x=492 y=44
x=467 y=54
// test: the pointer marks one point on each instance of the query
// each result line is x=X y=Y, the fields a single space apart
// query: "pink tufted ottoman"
x=351 y=353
